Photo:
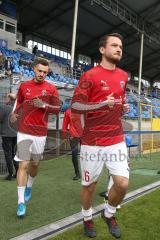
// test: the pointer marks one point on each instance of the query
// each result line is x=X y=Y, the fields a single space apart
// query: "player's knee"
x=91 y=188
x=122 y=185
x=34 y=164
x=23 y=166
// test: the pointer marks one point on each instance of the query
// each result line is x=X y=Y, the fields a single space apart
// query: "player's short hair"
x=103 y=39
x=40 y=60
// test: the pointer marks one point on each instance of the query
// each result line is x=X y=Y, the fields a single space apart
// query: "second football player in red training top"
x=35 y=100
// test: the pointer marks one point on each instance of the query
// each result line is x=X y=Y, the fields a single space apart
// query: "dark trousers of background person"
x=74 y=142
x=9 y=148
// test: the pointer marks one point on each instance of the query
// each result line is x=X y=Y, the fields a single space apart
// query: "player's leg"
x=91 y=166
x=118 y=190
x=22 y=179
x=37 y=149
x=86 y=196
x=23 y=157
x=118 y=167
x=110 y=184
x=32 y=173
x=21 y=184
x=105 y=193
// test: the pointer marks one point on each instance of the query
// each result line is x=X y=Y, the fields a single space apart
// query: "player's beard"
x=39 y=79
x=113 y=60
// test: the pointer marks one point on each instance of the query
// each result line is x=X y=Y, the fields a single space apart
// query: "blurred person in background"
x=69 y=134
x=9 y=136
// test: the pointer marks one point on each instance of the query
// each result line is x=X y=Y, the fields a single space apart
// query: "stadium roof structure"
x=52 y=20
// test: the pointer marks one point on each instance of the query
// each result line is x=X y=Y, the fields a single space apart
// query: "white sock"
x=109 y=210
x=30 y=181
x=87 y=214
x=20 y=191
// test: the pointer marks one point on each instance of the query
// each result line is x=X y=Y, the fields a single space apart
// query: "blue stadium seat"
x=65 y=106
x=128 y=139
x=75 y=81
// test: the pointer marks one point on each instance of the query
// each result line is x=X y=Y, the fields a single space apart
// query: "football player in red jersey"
x=36 y=98
x=100 y=99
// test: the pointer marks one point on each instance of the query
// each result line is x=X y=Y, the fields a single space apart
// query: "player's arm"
x=90 y=107
x=53 y=106
x=80 y=101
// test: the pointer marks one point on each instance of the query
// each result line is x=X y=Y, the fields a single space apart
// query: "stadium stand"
x=21 y=67
x=22 y=64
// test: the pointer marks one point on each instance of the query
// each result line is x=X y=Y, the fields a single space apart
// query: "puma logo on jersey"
x=104 y=85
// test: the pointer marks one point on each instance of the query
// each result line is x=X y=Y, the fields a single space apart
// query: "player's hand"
x=110 y=100
x=126 y=108
x=38 y=103
x=13 y=117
